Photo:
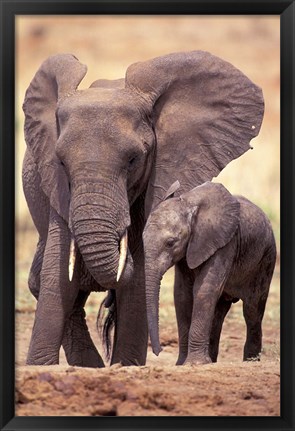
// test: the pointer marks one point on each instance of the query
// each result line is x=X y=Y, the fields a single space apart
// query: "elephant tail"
x=105 y=324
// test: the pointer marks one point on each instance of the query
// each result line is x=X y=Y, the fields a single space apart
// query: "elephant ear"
x=58 y=77
x=215 y=218
x=204 y=113
x=172 y=189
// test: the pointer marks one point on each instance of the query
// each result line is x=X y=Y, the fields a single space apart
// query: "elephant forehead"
x=165 y=220
x=101 y=116
x=94 y=103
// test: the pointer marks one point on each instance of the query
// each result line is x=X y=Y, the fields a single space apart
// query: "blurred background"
x=108 y=45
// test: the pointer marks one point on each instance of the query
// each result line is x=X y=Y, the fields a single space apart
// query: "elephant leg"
x=131 y=333
x=221 y=310
x=131 y=330
x=254 y=301
x=77 y=343
x=183 y=299
x=210 y=280
x=56 y=296
x=34 y=276
x=253 y=317
x=253 y=310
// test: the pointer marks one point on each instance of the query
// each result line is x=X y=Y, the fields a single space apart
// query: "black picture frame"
x=9 y=9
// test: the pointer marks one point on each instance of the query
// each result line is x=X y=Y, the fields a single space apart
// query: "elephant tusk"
x=72 y=259
x=123 y=254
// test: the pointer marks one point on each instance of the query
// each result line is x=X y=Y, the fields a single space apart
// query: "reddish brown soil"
x=227 y=388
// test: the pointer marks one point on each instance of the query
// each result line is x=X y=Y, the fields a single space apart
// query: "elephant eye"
x=170 y=242
x=131 y=162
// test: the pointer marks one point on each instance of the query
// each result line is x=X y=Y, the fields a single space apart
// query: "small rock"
x=64 y=387
x=116 y=366
x=106 y=409
x=45 y=377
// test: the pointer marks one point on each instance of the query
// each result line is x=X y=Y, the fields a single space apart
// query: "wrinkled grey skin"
x=98 y=160
x=223 y=249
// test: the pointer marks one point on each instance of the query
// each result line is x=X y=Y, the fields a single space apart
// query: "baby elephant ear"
x=214 y=221
x=204 y=113
x=172 y=189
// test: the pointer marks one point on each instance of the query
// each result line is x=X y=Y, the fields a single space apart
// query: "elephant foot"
x=252 y=358
x=81 y=352
x=196 y=359
x=42 y=359
x=252 y=351
x=85 y=358
x=79 y=348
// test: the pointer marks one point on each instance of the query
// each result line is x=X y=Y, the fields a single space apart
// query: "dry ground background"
x=108 y=45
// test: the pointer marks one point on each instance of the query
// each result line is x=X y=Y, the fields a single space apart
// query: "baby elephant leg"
x=210 y=279
x=254 y=306
x=221 y=310
x=183 y=299
x=253 y=311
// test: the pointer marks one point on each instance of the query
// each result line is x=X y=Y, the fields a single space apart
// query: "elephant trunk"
x=101 y=235
x=153 y=282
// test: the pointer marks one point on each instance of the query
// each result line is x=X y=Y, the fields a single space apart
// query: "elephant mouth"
x=123 y=252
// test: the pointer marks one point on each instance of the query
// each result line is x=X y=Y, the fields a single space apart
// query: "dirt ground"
x=108 y=45
x=211 y=390
x=229 y=387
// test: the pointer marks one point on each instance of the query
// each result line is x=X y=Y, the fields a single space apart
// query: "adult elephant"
x=98 y=160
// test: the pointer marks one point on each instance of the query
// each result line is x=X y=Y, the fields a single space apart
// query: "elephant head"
x=191 y=227
x=181 y=116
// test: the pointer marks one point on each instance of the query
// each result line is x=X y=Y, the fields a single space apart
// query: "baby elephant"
x=223 y=249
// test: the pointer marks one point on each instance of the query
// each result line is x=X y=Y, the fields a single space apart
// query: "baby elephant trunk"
x=153 y=282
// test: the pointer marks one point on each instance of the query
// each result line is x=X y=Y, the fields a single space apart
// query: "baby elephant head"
x=192 y=226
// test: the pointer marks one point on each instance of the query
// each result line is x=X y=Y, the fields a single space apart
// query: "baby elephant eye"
x=170 y=242
x=131 y=162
